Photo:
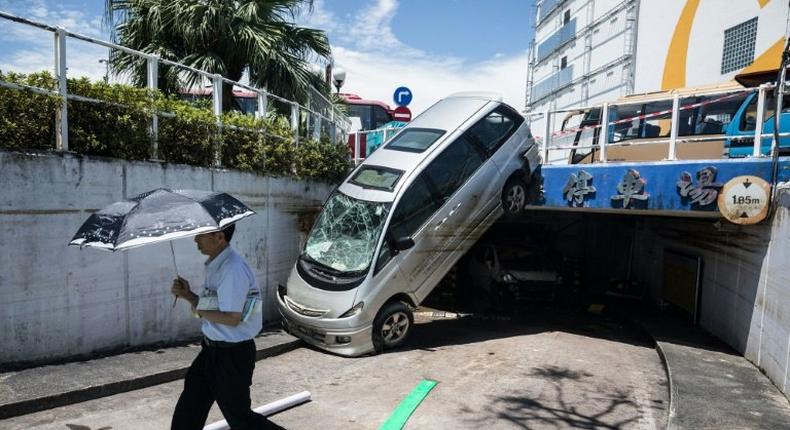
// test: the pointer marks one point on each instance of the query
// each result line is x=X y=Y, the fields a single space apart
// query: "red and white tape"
x=649 y=115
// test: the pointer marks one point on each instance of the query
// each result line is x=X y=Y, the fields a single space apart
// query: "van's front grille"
x=304 y=310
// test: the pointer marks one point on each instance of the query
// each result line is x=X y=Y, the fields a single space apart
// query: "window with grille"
x=738 y=49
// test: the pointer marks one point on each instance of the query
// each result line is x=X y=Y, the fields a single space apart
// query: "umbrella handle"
x=173 y=253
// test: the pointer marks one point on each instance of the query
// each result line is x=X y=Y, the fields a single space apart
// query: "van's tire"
x=514 y=197
x=392 y=326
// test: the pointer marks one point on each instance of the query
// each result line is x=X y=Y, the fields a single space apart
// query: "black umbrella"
x=157 y=216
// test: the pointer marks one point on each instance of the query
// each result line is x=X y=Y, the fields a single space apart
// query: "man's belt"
x=222 y=344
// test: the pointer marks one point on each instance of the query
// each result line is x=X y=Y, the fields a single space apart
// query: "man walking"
x=222 y=371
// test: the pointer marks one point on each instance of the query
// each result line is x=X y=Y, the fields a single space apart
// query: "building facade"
x=582 y=53
x=586 y=52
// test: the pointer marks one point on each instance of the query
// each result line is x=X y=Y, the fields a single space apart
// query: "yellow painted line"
x=675 y=64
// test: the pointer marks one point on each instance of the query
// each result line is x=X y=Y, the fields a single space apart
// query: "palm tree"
x=219 y=36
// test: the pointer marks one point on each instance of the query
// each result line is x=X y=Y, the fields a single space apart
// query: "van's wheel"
x=514 y=197
x=392 y=325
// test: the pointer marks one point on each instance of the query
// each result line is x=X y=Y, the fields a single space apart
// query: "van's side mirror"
x=403 y=243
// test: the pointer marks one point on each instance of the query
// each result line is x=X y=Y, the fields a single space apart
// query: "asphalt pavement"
x=710 y=386
x=46 y=387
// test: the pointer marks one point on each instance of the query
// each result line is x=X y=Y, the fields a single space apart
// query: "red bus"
x=365 y=115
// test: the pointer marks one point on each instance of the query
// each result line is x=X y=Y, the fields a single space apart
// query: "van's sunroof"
x=377 y=177
x=415 y=139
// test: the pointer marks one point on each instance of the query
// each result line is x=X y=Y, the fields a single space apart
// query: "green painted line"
x=401 y=414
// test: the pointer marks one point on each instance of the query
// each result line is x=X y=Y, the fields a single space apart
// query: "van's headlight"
x=353 y=311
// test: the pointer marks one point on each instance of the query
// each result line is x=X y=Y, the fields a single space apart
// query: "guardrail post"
x=62 y=115
x=153 y=80
x=758 y=126
x=216 y=97
x=295 y=122
x=603 y=137
x=546 y=136
x=334 y=126
x=317 y=127
x=673 y=133
x=263 y=104
x=357 y=146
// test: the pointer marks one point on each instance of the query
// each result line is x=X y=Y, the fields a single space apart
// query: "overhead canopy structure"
x=757 y=78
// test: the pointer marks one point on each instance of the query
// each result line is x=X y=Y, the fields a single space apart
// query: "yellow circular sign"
x=744 y=199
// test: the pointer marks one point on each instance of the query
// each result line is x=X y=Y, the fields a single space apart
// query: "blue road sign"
x=402 y=96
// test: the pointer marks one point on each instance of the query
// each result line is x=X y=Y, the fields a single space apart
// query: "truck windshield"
x=345 y=235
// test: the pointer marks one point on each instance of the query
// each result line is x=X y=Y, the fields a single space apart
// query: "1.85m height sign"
x=744 y=199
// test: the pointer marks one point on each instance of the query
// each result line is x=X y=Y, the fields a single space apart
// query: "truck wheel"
x=514 y=197
x=391 y=326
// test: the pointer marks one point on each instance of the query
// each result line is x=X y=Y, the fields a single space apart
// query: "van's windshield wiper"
x=325 y=268
x=322 y=267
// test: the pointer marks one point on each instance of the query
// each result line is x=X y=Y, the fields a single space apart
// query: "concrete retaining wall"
x=58 y=301
x=745 y=295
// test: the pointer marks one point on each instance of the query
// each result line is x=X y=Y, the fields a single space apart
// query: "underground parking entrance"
x=678 y=268
x=693 y=288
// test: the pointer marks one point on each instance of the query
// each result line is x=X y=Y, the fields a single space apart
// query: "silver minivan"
x=391 y=231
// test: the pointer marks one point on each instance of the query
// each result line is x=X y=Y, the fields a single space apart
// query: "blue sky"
x=435 y=47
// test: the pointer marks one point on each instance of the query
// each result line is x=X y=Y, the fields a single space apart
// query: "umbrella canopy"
x=158 y=216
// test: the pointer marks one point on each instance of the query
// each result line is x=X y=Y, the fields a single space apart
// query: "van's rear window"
x=415 y=139
x=377 y=177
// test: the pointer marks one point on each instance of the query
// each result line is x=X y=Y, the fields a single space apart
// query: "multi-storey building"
x=582 y=52
x=586 y=52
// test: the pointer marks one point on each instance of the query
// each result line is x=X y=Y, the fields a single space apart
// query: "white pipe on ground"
x=268 y=409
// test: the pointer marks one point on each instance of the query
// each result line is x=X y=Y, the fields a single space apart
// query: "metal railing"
x=315 y=115
x=387 y=133
x=558 y=140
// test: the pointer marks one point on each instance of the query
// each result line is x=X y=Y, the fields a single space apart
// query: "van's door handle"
x=454 y=209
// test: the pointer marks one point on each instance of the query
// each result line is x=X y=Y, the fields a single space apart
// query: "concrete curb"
x=673 y=389
x=81 y=395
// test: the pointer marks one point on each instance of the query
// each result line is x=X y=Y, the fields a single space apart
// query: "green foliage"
x=322 y=160
x=27 y=119
x=119 y=127
x=225 y=37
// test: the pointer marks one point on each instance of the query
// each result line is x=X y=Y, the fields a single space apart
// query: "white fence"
x=319 y=113
x=559 y=139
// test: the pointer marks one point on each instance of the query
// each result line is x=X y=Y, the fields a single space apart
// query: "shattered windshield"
x=345 y=235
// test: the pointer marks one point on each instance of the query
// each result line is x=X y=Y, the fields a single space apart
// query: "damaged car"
x=389 y=233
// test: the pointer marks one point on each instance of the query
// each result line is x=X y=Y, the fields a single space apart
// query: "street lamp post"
x=339 y=78
x=106 y=70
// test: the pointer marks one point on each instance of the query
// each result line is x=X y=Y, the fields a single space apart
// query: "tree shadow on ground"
x=612 y=409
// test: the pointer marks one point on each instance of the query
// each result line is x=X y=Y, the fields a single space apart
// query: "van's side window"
x=446 y=173
x=493 y=130
x=415 y=207
x=454 y=166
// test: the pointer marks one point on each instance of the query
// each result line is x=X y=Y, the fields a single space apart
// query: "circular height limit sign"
x=744 y=199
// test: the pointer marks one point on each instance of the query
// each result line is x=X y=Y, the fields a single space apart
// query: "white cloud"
x=375 y=76
x=377 y=62
x=29 y=49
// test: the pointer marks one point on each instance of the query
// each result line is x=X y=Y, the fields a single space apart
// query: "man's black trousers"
x=222 y=374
